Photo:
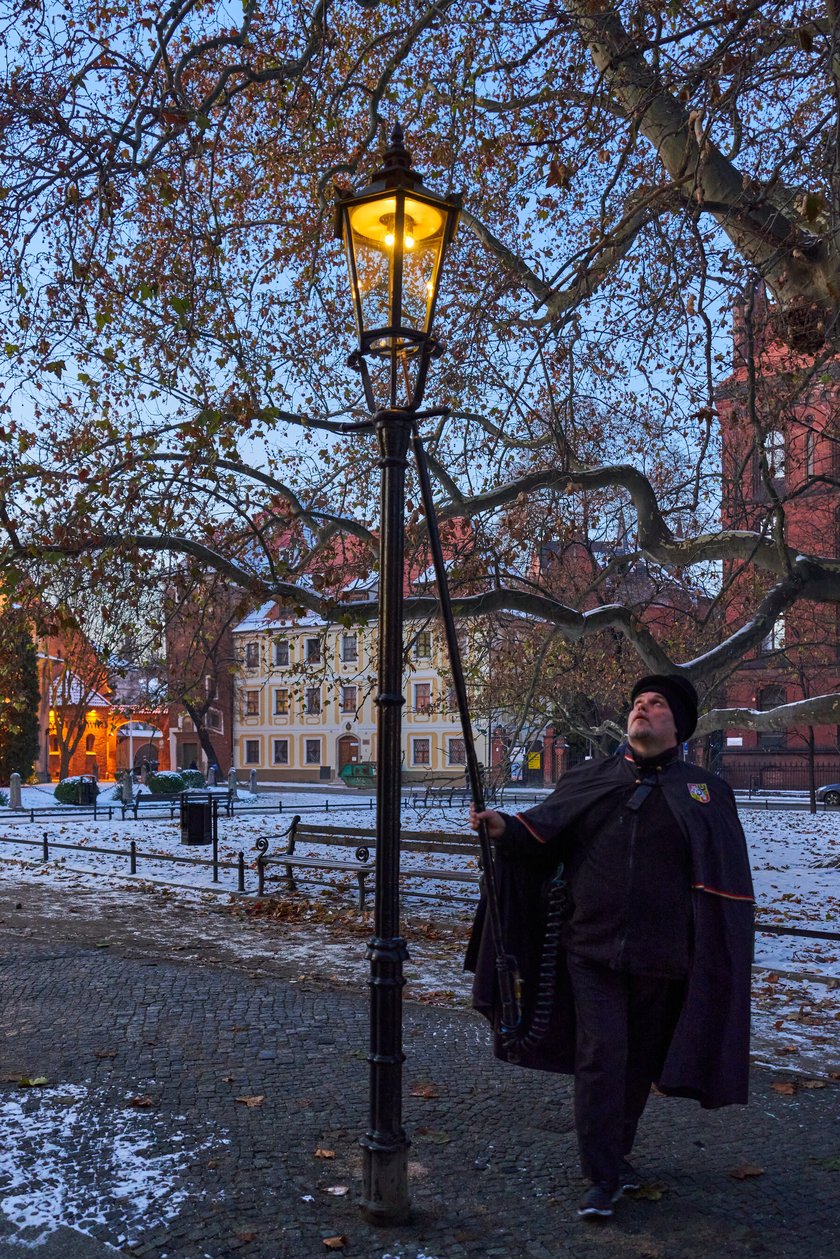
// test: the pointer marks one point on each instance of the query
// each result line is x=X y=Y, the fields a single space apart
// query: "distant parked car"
x=830 y=793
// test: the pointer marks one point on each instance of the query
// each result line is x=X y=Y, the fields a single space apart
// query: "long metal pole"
x=385 y=1145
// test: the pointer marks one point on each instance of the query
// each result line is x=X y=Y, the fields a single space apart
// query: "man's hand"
x=495 y=821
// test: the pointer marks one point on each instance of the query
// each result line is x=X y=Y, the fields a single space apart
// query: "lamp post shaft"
x=385 y=1145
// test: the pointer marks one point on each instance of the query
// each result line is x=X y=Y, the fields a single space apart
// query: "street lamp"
x=396 y=233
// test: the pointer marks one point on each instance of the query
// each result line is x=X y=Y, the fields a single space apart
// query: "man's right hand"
x=495 y=822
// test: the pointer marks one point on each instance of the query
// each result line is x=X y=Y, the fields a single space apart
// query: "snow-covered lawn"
x=795 y=858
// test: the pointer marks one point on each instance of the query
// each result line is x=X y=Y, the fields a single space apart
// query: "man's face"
x=651 y=728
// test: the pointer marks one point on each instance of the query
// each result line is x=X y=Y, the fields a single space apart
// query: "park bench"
x=362 y=867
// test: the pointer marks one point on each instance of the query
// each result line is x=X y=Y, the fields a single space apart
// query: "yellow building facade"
x=304 y=705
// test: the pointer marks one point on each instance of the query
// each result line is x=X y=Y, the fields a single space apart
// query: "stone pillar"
x=252 y=782
x=127 y=788
x=14 y=791
x=233 y=785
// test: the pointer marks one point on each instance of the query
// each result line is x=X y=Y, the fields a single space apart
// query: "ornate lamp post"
x=396 y=233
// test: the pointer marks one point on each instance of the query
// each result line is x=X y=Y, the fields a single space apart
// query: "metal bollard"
x=215 y=850
x=133 y=857
x=262 y=847
x=241 y=873
x=46 y=843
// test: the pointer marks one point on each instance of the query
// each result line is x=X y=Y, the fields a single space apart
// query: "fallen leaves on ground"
x=104 y=1053
x=430 y=1134
x=33 y=1082
x=141 y=1102
x=256 y=1100
x=322 y=1153
x=425 y=1090
x=649 y=1192
x=746 y=1171
x=812 y=1084
x=336 y=1243
x=786 y=1087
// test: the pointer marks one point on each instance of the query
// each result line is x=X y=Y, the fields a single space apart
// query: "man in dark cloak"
x=653 y=980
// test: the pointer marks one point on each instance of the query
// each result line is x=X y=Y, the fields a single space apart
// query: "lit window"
x=312 y=701
x=281 y=702
x=421 y=751
x=252 y=655
x=348 y=699
x=252 y=751
x=313 y=651
x=422 y=696
x=456 y=752
x=281 y=652
x=349 y=648
x=312 y=752
x=423 y=645
x=281 y=751
x=252 y=703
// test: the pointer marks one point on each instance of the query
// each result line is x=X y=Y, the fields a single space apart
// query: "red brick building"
x=796 y=415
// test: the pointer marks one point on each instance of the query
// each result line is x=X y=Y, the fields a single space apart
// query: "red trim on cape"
x=714 y=891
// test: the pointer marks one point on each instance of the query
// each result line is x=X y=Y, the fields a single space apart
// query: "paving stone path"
x=140 y=1142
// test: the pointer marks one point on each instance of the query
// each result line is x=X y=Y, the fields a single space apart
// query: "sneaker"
x=597 y=1202
x=628 y=1178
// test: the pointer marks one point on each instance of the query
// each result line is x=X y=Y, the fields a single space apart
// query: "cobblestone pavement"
x=142 y=1140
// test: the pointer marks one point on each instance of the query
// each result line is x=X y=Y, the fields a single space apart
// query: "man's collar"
x=650 y=762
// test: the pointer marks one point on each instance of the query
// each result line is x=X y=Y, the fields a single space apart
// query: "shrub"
x=166 y=782
x=68 y=790
x=193 y=778
x=4 y=799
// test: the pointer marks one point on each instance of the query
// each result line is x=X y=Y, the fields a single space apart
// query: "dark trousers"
x=624 y=1026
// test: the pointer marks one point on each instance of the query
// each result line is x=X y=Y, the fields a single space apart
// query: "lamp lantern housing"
x=396 y=233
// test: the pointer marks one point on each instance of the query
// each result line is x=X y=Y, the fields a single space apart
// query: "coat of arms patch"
x=699 y=792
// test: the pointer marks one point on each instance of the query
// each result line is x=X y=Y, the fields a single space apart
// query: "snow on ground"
x=795 y=858
x=51 y=1139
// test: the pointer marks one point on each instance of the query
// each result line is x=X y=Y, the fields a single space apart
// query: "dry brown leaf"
x=142 y=1103
x=743 y=1173
x=256 y=1100
x=336 y=1243
x=812 y=1084
x=104 y=1053
x=425 y=1090
x=322 y=1153
x=786 y=1087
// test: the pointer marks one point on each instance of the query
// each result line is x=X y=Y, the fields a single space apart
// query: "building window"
x=214 y=719
x=252 y=655
x=313 y=651
x=281 y=751
x=421 y=751
x=348 y=699
x=349 y=648
x=423 y=645
x=775 y=451
x=810 y=451
x=772 y=697
x=775 y=640
x=252 y=751
x=312 y=701
x=281 y=703
x=252 y=703
x=54 y=743
x=312 y=751
x=281 y=652
x=456 y=752
x=422 y=697
x=90 y=742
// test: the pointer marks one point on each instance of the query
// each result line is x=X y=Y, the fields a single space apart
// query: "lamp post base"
x=384 y=1181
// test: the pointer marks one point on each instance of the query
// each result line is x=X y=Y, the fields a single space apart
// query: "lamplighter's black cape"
x=709 y=1054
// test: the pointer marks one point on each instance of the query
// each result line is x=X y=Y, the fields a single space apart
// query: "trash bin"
x=88 y=790
x=359 y=774
x=196 y=820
